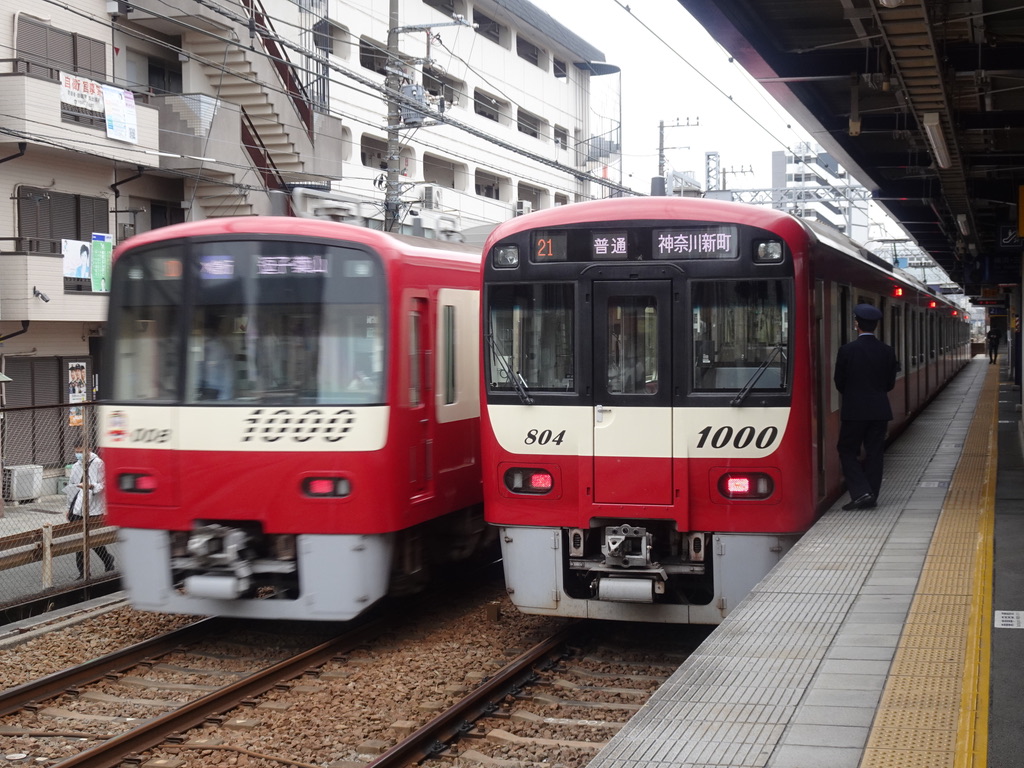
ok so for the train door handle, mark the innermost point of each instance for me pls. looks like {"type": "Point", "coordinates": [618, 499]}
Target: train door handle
{"type": "Point", "coordinates": [599, 412]}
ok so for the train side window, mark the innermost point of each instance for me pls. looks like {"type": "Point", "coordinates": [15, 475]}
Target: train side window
{"type": "Point", "coordinates": [896, 333]}
{"type": "Point", "coordinates": [449, 353]}
{"type": "Point", "coordinates": [415, 383]}
{"type": "Point", "coordinates": [845, 315]}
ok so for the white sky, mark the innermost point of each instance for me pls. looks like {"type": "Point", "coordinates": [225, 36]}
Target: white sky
{"type": "Point", "coordinates": [672, 70]}
{"type": "Point", "coordinates": [684, 75]}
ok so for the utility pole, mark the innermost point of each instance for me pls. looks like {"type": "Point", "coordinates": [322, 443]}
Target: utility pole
{"type": "Point", "coordinates": [393, 81]}
{"type": "Point", "coordinates": [393, 85]}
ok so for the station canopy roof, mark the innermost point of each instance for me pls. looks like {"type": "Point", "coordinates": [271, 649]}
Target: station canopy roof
{"type": "Point", "coordinates": [921, 101]}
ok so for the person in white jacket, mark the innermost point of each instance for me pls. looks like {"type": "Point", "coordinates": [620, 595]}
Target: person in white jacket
{"type": "Point", "coordinates": [78, 489]}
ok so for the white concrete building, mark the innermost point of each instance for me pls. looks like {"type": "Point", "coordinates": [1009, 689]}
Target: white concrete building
{"type": "Point", "coordinates": [809, 183]}
{"type": "Point", "coordinates": [117, 118]}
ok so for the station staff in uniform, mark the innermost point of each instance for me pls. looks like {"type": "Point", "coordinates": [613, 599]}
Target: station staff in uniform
{"type": "Point", "coordinates": [865, 372]}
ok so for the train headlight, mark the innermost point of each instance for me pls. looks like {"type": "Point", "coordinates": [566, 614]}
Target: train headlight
{"type": "Point", "coordinates": [524, 480]}
{"type": "Point", "coordinates": [327, 487]}
{"type": "Point", "coordinates": [768, 252]}
{"type": "Point", "coordinates": [746, 485]}
{"type": "Point", "coordinates": [506, 257]}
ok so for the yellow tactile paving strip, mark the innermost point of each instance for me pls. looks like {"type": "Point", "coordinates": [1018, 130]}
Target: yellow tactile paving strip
{"type": "Point", "coordinates": [934, 708]}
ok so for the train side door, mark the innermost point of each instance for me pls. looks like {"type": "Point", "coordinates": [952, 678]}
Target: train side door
{"type": "Point", "coordinates": [418, 398]}
{"type": "Point", "coordinates": [632, 392]}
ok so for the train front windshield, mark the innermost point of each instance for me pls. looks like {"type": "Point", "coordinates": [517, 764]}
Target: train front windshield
{"type": "Point", "coordinates": [244, 321]}
{"type": "Point", "coordinates": [739, 326]}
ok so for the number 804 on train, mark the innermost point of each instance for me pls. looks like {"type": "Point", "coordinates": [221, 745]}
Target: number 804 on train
{"type": "Point", "coordinates": [660, 420]}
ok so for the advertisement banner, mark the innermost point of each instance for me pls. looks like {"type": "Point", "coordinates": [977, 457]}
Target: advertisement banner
{"type": "Point", "coordinates": [102, 257]}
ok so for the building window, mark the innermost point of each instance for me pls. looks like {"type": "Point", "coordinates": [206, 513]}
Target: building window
{"type": "Point", "coordinates": [373, 55]}
{"type": "Point", "coordinates": [45, 51]}
{"type": "Point", "coordinates": [560, 70]}
{"type": "Point", "coordinates": [490, 186]}
{"type": "Point", "coordinates": [488, 27]}
{"type": "Point", "coordinates": [440, 85]}
{"type": "Point", "coordinates": [374, 153]}
{"type": "Point", "coordinates": [46, 217]}
{"type": "Point", "coordinates": [561, 137]}
{"type": "Point", "coordinates": [164, 214]}
{"type": "Point", "coordinates": [488, 106]}
{"type": "Point", "coordinates": [528, 124]}
{"type": "Point", "coordinates": [164, 76]}
{"type": "Point", "coordinates": [527, 50]}
{"type": "Point", "coordinates": [535, 196]}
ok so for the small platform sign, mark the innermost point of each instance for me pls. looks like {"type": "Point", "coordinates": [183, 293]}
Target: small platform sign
{"type": "Point", "coordinates": [1009, 620]}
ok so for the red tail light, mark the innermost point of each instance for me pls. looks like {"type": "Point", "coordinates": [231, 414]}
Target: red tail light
{"type": "Point", "coordinates": [746, 485]}
{"type": "Point", "coordinates": [525, 480]}
{"type": "Point", "coordinates": [136, 482]}
{"type": "Point", "coordinates": [327, 487]}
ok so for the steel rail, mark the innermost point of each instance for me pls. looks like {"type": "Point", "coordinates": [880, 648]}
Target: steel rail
{"type": "Point", "coordinates": [153, 732]}
{"type": "Point", "coordinates": [52, 685]}
{"type": "Point", "coordinates": [457, 719]}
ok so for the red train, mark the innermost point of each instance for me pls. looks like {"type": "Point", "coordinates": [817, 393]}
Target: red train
{"type": "Point", "coordinates": [660, 420]}
{"type": "Point", "coordinates": [290, 421]}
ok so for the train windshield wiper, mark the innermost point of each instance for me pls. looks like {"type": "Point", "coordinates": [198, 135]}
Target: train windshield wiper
{"type": "Point", "coordinates": [513, 376]}
{"type": "Point", "coordinates": [756, 375]}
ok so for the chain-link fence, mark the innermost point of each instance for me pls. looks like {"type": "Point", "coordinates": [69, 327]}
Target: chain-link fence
{"type": "Point", "coordinates": [43, 535]}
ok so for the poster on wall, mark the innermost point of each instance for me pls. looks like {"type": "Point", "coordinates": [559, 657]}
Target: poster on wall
{"type": "Point", "coordinates": [77, 257]}
{"type": "Point", "coordinates": [102, 257]}
{"type": "Point", "coordinates": [77, 392]}
{"type": "Point", "coordinates": [120, 114]}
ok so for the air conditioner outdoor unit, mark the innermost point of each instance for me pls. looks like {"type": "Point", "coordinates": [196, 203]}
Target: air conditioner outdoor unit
{"type": "Point", "coordinates": [432, 196]}
{"type": "Point", "coordinates": [523, 207]}
{"type": "Point", "coordinates": [23, 482]}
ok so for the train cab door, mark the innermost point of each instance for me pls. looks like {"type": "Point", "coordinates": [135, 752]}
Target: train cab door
{"type": "Point", "coordinates": [632, 387]}
{"type": "Point", "coordinates": [418, 399]}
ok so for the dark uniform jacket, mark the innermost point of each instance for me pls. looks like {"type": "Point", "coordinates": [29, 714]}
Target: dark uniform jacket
{"type": "Point", "coordinates": [865, 372]}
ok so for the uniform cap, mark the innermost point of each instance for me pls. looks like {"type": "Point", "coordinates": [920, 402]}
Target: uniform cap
{"type": "Point", "coordinates": [867, 312]}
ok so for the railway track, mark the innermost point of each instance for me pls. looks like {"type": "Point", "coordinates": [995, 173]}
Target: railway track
{"type": "Point", "coordinates": [152, 666]}
{"type": "Point", "coordinates": [557, 704]}
{"type": "Point", "coordinates": [472, 681]}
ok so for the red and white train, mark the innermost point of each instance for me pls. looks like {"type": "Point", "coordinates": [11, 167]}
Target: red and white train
{"type": "Point", "coordinates": [660, 420]}
{"type": "Point", "coordinates": [290, 421]}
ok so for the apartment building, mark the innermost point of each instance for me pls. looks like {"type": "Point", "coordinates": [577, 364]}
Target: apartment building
{"type": "Point", "coordinates": [119, 117]}
{"type": "Point", "coordinates": [811, 184]}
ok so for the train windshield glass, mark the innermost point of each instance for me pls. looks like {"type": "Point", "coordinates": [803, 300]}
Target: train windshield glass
{"type": "Point", "coordinates": [265, 321]}
{"type": "Point", "coordinates": [531, 338]}
{"type": "Point", "coordinates": [740, 334]}
{"type": "Point", "coordinates": [146, 302]}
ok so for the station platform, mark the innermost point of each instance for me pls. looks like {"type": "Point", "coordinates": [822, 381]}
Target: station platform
{"type": "Point", "coordinates": [885, 637]}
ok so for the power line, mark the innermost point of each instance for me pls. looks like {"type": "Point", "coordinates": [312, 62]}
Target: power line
{"type": "Point", "coordinates": [361, 80]}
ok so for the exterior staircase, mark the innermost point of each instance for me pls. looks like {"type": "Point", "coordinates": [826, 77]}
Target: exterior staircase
{"type": "Point", "coordinates": [278, 132]}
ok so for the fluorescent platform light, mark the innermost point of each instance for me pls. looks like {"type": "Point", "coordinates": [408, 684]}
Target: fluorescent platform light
{"type": "Point", "coordinates": [933, 131]}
